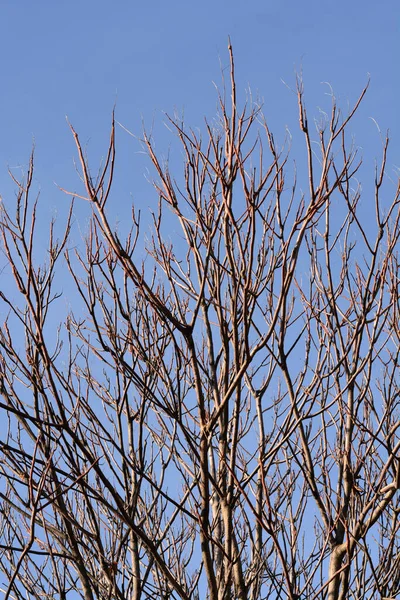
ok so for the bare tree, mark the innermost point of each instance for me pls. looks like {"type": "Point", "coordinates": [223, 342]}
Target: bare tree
{"type": "Point", "coordinates": [222, 420]}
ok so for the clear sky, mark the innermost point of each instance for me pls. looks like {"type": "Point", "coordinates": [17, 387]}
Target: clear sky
{"type": "Point", "coordinates": [78, 58]}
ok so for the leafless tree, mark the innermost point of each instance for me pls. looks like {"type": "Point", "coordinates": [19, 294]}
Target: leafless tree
{"type": "Point", "coordinates": [221, 418]}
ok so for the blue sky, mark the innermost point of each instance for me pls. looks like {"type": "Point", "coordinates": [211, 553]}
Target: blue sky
{"type": "Point", "coordinates": [78, 58]}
